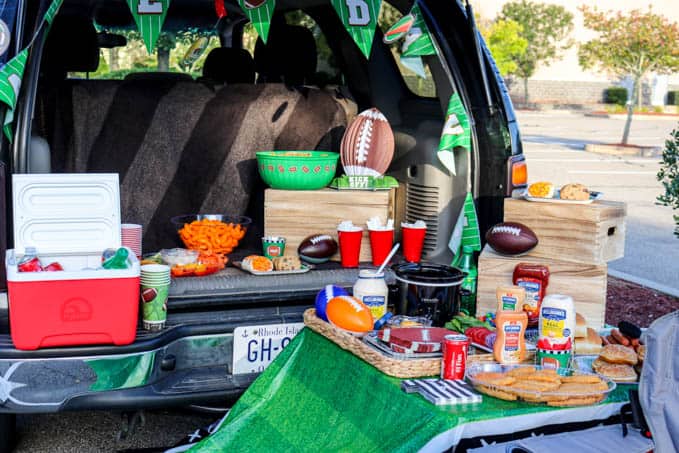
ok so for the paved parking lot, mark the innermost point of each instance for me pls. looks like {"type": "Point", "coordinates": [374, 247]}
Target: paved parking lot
{"type": "Point", "coordinates": [554, 146]}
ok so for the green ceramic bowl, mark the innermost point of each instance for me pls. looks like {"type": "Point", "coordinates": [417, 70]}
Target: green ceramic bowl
{"type": "Point", "coordinates": [297, 170]}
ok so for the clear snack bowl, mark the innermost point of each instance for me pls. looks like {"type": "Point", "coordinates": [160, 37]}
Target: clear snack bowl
{"type": "Point", "coordinates": [574, 397]}
{"type": "Point", "coordinates": [179, 256]}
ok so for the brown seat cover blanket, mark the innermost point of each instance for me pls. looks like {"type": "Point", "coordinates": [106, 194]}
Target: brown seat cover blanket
{"type": "Point", "coordinates": [182, 148]}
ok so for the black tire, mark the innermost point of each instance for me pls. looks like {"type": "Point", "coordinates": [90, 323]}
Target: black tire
{"type": "Point", "coordinates": [7, 432]}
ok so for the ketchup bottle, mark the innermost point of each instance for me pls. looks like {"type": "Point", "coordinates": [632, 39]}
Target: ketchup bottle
{"type": "Point", "coordinates": [534, 279]}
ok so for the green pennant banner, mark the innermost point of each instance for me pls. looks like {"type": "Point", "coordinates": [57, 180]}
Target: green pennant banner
{"type": "Point", "coordinates": [149, 16]}
{"type": "Point", "coordinates": [12, 73]}
{"type": "Point", "coordinates": [360, 19]}
{"type": "Point", "coordinates": [10, 83]}
{"type": "Point", "coordinates": [259, 12]}
{"type": "Point", "coordinates": [466, 230]}
{"type": "Point", "coordinates": [417, 40]}
{"type": "Point", "coordinates": [455, 133]}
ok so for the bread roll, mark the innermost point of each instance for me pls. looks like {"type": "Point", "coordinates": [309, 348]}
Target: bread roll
{"type": "Point", "coordinates": [590, 345]}
{"type": "Point", "coordinates": [580, 326]}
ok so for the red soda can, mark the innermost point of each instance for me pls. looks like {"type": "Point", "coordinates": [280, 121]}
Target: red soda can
{"type": "Point", "coordinates": [53, 267]}
{"type": "Point", "coordinates": [454, 356]}
{"type": "Point", "coordinates": [30, 265]}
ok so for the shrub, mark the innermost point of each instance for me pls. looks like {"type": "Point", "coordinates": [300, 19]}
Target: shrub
{"type": "Point", "coordinates": [615, 95]}
{"type": "Point", "coordinates": [669, 175]}
{"type": "Point", "coordinates": [673, 98]}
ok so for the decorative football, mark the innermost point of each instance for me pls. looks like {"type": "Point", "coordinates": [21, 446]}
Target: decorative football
{"type": "Point", "coordinates": [317, 248]}
{"type": "Point", "coordinates": [349, 313]}
{"type": "Point", "coordinates": [252, 4]}
{"type": "Point", "coordinates": [368, 145]}
{"type": "Point", "coordinates": [511, 238]}
{"type": "Point", "coordinates": [324, 296]}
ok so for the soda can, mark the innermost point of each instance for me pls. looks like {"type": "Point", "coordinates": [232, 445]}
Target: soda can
{"type": "Point", "coordinates": [455, 349]}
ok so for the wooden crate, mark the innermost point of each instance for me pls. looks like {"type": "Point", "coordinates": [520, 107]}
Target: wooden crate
{"type": "Point", "coordinates": [585, 283]}
{"type": "Point", "coordinates": [296, 214]}
{"type": "Point", "coordinates": [591, 234]}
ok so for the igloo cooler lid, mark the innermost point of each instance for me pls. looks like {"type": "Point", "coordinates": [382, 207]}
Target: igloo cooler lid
{"type": "Point", "coordinates": [63, 213]}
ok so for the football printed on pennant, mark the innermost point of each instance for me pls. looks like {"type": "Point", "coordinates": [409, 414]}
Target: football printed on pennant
{"type": "Point", "coordinates": [252, 4]}
{"type": "Point", "coordinates": [368, 145]}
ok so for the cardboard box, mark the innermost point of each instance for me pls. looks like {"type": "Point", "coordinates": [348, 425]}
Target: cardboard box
{"type": "Point", "coordinates": [590, 233]}
{"type": "Point", "coordinates": [585, 283]}
{"type": "Point", "coordinates": [296, 214]}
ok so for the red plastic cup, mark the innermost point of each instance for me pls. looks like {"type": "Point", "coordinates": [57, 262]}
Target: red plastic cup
{"type": "Point", "coordinates": [413, 240]}
{"type": "Point", "coordinates": [350, 246]}
{"type": "Point", "coordinates": [381, 242]}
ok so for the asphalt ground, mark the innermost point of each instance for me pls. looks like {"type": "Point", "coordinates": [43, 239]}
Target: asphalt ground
{"type": "Point", "coordinates": [554, 146]}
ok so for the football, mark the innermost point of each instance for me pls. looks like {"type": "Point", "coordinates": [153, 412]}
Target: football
{"type": "Point", "coordinates": [511, 238]}
{"type": "Point", "coordinates": [252, 4]}
{"type": "Point", "coordinates": [368, 145]}
{"type": "Point", "coordinates": [350, 314]}
{"type": "Point", "coordinates": [324, 296]}
{"type": "Point", "coordinates": [317, 248]}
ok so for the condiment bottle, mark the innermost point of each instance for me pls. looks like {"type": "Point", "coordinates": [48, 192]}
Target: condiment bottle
{"type": "Point", "coordinates": [510, 344]}
{"type": "Point", "coordinates": [534, 279]}
{"type": "Point", "coordinates": [557, 318]}
{"type": "Point", "coordinates": [510, 298]}
{"type": "Point", "coordinates": [372, 290]}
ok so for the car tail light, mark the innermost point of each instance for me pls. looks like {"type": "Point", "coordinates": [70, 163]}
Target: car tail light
{"type": "Point", "coordinates": [517, 173]}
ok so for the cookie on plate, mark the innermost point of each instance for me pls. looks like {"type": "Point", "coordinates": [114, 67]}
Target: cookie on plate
{"type": "Point", "coordinates": [576, 192]}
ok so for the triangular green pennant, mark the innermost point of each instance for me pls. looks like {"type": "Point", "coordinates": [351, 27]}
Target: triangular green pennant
{"type": "Point", "coordinates": [360, 19]}
{"type": "Point", "coordinates": [259, 12]}
{"type": "Point", "coordinates": [466, 231]}
{"type": "Point", "coordinates": [455, 133]}
{"type": "Point", "coordinates": [52, 11]}
{"type": "Point", "coordinates": [149, 16]}
{"type": "Point", "coordinates": [11, 75]}
{"type": "Point", "coordinates": [417, 41]}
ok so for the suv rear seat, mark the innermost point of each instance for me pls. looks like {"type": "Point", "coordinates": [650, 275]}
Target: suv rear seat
{"type": "Point", "coordinates": [179, 147]}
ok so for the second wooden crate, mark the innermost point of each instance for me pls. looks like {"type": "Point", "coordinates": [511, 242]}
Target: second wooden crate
{"type": "Point", "coordinates": [296, 214]}
{"type": "Point", "coordinates": [585, 283]}
{"type": "Point", "coordinates": [591, 233]}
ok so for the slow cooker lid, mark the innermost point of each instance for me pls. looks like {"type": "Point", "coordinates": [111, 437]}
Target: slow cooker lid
{"type": "Point", "coordinates": [428, 274]}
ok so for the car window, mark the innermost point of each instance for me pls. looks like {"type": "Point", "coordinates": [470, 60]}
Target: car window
{"type": "Point", "coordinates": [415, 71]}
{"type": "Point", "coordinates": [181, 51]}
{"type": "Point", "coordinates": [327, 70]}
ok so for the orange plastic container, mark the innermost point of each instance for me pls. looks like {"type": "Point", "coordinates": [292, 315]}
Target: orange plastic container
{"type": "Point", "coordinates": [69, 219]}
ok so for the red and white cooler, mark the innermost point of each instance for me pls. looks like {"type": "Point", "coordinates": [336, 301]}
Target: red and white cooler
{"type": "Point", "coordinates": [70, 219]}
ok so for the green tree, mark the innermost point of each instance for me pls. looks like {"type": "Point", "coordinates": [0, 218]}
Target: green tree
{"type": "Point", "coordinates": [669, 175]}
{"type": "Point", "coordinates": [545, 28]}
{"type": "Point", "coordinates": [634, 44]}
{"type": "Point", "coordinates": [505, 43]}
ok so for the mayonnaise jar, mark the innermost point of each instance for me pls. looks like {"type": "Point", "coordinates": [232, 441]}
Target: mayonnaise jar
{"type": "Point", "coordinates": [372, 290]}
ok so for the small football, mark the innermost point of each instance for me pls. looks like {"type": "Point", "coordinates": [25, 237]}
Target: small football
{"type": "Point", "coordinates": [324, 296]}
{"type": "Point", "coordinates": [317, 248]}
{"type": "Point", "coordinates": [368, 145]}
{"type": "Point", "coordinates": [350, 314]}
{"type": "Point", "coordinates": [511, 238]}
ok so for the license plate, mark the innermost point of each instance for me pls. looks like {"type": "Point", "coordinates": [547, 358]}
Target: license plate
{"type": "Point", "coordinates": [254, 347]}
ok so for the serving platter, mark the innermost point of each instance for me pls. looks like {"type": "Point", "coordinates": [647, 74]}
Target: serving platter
{"type": "Point", "coordinates": [305, 268]}
{"type": "Point", "coordinates": [593, 196]}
